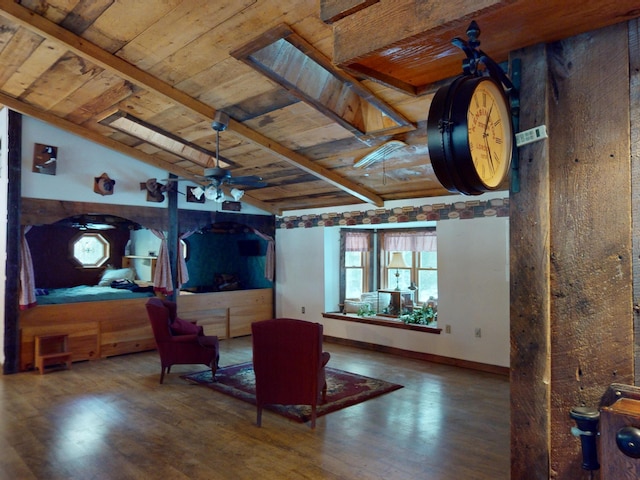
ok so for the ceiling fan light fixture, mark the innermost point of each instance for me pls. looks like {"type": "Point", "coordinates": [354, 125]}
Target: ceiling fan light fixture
{"type": "Point", "coordinates": [211, 193]}
{"type": "Point", "coordinates": [237, 194]}
{"type": "Point", "coordinates": [197, 192]}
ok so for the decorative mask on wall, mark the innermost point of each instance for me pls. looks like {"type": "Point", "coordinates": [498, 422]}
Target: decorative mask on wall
{"type": "Point", "coordinates": [103, 185]}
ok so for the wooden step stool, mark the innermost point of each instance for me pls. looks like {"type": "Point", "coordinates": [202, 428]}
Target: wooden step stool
{"type": "Point", "coordinates": [52, 351]}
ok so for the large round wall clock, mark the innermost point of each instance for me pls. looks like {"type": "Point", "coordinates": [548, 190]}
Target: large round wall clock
{"type": "Point", "coordinates": [470, 135]}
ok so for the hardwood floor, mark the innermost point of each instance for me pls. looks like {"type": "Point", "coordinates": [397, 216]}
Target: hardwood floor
{"type": "Point", "coordinates": [111, 419]}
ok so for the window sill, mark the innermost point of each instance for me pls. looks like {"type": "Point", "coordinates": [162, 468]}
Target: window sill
{"type": "Point", "coordinates": [383, 322]}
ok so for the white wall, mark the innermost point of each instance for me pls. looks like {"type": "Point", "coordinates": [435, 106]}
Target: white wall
{"type": "Point", "coordinates": [80, 161]}
{"type": "Point", "coordinates": [307, 259]}
{"type": "Point", "coordinates": [473, 277]}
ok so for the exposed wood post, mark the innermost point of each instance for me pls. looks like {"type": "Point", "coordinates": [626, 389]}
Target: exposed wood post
{"type": "Point", "coordinates": [173, 234]}
{"type": "Point", "coordinates": [530, 290]}
{"type": "Point", "coordinates": [14, 233]}
{"type": "Point", "coordinates": [571, 309]}
{"type": "Point", "coordinates": [634, 103]}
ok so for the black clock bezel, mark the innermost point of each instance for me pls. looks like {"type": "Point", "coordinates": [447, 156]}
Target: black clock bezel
{"type": "Point", "coordinates": [448, 140]}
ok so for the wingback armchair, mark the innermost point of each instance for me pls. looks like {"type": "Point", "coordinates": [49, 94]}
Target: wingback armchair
{"type": "Point", "coordinates": [288, 362]}
{"type": "Point", "coordinates": [179, 341]}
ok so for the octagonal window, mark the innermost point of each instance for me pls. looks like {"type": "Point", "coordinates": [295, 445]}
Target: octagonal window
{"type": "Point", "coordinates": [90, 249]}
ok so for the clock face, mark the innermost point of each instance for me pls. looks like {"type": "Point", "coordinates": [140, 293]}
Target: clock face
{"type": "Point", "coordinates": [489, 133]}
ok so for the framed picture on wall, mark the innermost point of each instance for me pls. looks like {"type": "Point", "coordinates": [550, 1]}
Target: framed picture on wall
{"type": "Point", "coordinates": [45, 158]}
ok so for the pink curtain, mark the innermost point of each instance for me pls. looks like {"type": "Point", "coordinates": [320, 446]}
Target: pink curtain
{"type": "Point", "coordinates": [356, 241]}
{"type": "Point", "coordinates": [410, 242]}
{"type": "Point", "coordinates": [27, 280]}
{"type": "Point", "coordinates": [162, 280]}
{"type": "Point", "coordinates": [270, 266]}
{"type": "Point", "coordinates": [183, 271]}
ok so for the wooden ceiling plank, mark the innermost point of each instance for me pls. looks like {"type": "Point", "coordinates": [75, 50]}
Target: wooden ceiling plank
{"type": "Point", "coordinates": [17, 51]}
{"type": "Point", "coordinates": [225, 84]}
{"type": "Point", "coordinates": [86, 95]}
{"type": "Point", "coordinates": [68, 74]}
{"type": "Point", "coordinates": [7, 31]}
{"type": "Point", "coordinates": [120, 23]}
{"type": "Point", "coordinates": [41, 59]}
{"type": "Point", "coordinates": [129, 72]}
{"type": "Point", "coordinates": [98, 104]}
{"type": "Point", "coordinates": [188, 21]}
{"type": "Point", "coordinates": [54, 10]}
{"type": "Point", "coordinates": [84, 14]}
{"type": "Point", "coordinates": [261, 104]}
{"type": "Point", "coordinates": [194, 59]}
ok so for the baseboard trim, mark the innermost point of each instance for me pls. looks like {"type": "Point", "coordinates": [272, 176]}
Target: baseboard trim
{"type": "Point", "coordinates": [427, 357]}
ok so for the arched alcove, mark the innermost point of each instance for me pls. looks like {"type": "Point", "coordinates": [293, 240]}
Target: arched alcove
{"type": "Point", "coordinates": [51, 247]}
{"type": "Point", "coordinates": [226, 256]}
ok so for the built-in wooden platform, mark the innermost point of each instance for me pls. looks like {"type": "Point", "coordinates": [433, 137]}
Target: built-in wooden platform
{"type": "Point", "coordinates": [104, 329]}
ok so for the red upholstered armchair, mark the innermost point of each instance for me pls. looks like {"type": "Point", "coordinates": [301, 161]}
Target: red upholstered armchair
{"type": "Point", "coordinates": [288, 362]}
{"type": "Point", "coordinates": [179, 341]}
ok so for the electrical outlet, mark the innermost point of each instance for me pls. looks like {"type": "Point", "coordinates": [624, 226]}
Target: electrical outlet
{"type": "Point", "coordinates": [447, 329]}
{"type": "Point", "coordinates": [478, 333]}
{"type": "Point", "coordinates": [303, 309]}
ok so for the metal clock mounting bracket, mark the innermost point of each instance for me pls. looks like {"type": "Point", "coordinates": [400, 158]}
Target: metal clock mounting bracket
{"type": "Point", "coordinates": [479, 64]}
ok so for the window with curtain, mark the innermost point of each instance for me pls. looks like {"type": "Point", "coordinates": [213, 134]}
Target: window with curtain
{"type": "Point", "coordinates": [419, 252]}
{"type": "Point", "coordinates": [366, 255]}
{"type": "Point", "coordinates": [356, 263]}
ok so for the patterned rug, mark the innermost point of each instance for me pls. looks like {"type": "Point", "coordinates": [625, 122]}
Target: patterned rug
{"type": "Point", "coordinates": [344, 389]}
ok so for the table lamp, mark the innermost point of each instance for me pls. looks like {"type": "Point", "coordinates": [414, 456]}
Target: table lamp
{"type": "Point", "coordinates": [397, 262]}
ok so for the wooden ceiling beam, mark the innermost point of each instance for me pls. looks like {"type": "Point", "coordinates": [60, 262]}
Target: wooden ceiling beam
{"type": "Point", "coordinates": [81, 47]}
{"type": "Point", "coordinates": [383, 24]}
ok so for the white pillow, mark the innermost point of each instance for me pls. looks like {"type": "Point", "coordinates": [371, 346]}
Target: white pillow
{"type": "Point", "coordinates": [379, 300]}
{"type": "Point", "coordinates": [353, 306]}
{"type": "Point", "coordinates": [120, 274]}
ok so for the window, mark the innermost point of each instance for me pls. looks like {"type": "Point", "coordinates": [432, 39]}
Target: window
{"type": "Point", "coordinates": [356, 266]}
{"type": "Point", "coordinates": [414, 268]}
{"type": "Point", "coordinates": [355, 254]}
{"type": "Point", "coordinates": [421, 273]}
{"type": "Point", "coordinates": [90, 250]}
{"type": "Point", "coordinates": [427, 276]}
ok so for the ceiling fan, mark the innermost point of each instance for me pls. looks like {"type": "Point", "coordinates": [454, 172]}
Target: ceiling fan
{"type": "Point", "coordinates": [218, 176]}
{"type": "Point", "coordinates": [97, 222]}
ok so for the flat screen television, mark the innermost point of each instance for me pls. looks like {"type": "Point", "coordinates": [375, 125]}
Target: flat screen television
{"type": "Point", "coordinates": [249, 248]}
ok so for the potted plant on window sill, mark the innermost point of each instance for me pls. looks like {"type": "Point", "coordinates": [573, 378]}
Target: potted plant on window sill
{"type": "Point", "coordinates": [425, 315]}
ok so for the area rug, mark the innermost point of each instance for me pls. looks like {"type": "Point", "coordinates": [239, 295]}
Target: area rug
{"type": "Point", "coordinates": [344, 389]}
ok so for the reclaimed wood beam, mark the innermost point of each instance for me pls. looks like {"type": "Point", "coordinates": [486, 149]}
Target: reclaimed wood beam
{"type": "Point", "coordinates": [570, 247]}
{"type": "Point", "coordinates": [41, 26]}
{"type": "Point", "coordinates": [387, 23]}
{"type": "Point", "coordinates": [333, 10]}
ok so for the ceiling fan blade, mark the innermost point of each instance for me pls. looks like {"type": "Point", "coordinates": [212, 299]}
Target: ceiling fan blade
{"type": "Point", "coordinates": [248, 180]}
{"type": "Point", "coordinates": [176, 179]}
